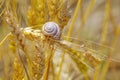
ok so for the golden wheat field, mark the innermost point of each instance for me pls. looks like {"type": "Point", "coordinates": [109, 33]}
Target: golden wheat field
{"type": "Point", "coordinates": [59, 39]}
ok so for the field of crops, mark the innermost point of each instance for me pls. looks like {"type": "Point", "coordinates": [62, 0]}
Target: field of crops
{"type": "Point", "coordinates": [59, 39]}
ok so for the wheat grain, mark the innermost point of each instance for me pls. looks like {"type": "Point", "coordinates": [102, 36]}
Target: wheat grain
{"type": "Point", "coordinates": [38, 63]}
{"type": "Point", "coordinates": [36, 13]}
{"type": "Point", "coordinates": [18, 71]}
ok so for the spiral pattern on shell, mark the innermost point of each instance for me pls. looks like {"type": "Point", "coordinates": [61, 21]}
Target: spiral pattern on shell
{"type": "Point", "coordinates": [51, 29]}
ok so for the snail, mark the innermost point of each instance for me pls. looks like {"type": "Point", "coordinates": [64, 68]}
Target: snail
{"type": "Point", "coordinates": [51, 29]}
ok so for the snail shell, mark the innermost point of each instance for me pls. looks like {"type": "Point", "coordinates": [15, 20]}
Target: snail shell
{"type": "Point", "coordinates": [51, 29]}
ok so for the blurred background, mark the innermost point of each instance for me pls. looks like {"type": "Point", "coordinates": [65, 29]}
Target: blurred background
{"type": "Point", "coordinates": [99, 21]}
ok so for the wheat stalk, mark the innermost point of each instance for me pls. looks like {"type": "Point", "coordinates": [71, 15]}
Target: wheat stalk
{"type": "Point", "coordinates": [17, 32]}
